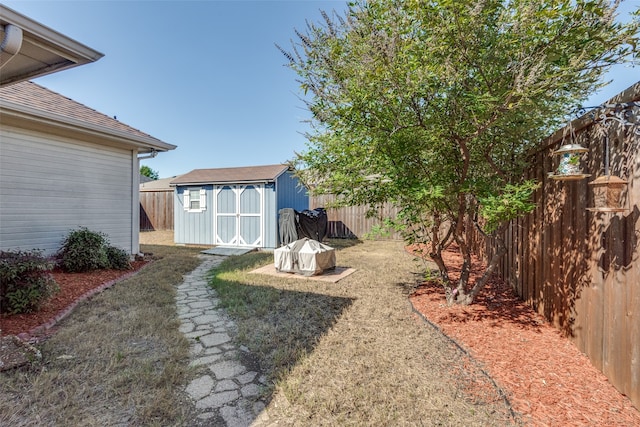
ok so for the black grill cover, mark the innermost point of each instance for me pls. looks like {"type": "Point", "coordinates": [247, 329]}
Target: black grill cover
{"type": "Point", "coordinates": [312, 224]}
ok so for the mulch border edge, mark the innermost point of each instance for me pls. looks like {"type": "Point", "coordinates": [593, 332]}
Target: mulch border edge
{"type": "Point", "coordinates": [514, 415]}
{"type": "Point", "coordinates": [38, 333]}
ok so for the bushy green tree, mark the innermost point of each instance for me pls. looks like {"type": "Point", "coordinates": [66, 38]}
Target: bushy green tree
{"type": "Point", "coordinates": [433, 105]}
{"type": "Point", "coordinates": [148, 172]}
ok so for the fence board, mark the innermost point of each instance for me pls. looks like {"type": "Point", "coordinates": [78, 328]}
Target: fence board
{"type": "Point", "coordinates": [580, 269]}
{"type": "Point", "coordinates": [156, 210]}
{"type": "Point", "coordinates": [352, 222]}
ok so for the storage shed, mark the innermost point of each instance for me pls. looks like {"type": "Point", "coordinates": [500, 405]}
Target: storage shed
{"type": "Point", "coordinates": [235, 206]}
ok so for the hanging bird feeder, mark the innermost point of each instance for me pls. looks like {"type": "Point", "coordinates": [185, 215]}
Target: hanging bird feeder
{"type": "Point", "coordinates": [608, 194]}
{"type": "Point", "coordinates": [608, 190]}
{"type": "Point", "coordinates": [569, 166]}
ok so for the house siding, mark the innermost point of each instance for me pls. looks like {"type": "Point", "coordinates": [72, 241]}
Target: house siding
{"type": "Point", "coordinates": [52, 185]}
{"type": "Point", "coordinates": [290, 194]}
{"type": "Point", "coordinates": [270, 217]}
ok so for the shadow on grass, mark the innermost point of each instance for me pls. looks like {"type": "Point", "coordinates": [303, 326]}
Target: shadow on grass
{"type": "Point", "coordinates": [279, 326]}
{"type": "Point", "coordinates": [339, 244]}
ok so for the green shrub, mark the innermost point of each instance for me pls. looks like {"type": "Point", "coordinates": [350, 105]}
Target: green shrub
{"type": "Point", "coordinates": [118, 258]}
{"type": "Point", "coordinates": [25, 281]}
{"type": "Point", "coordinates": [86, 250]}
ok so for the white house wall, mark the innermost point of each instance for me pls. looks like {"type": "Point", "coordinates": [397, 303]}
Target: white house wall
{"type": "Point", "coordinates": [52, 185]}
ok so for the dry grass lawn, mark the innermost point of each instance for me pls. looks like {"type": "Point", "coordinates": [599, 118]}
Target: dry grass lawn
{"type": "Point", "coordinates": [353, 353]}
{"type": "Point", "coordinates": [160, 237]}
{"type": "Point", "coordinates": [339, 354]}
{"type": "Point", "coordinates": [118, 359]}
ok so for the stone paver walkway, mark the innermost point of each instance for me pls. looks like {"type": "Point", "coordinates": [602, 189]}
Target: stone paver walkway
{"type": "Point", "coordinates": [226, 393]}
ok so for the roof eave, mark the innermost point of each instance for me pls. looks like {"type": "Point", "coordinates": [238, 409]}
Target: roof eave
{"type": "Point", "coordinates": [242, 182]}
{"type": "Point", "coordinates": [70, 53]}
{"type": "Point", "coordinates": [143, 144]}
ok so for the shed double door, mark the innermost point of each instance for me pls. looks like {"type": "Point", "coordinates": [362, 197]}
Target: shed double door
{"type": "Point", "coordinates": [239, 215]}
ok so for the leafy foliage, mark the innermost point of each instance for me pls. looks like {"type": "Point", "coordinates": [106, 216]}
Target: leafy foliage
{"type": "Point", "coordinates": [434, 105]}
{"type": "Point", "coordinates": [25, 281]}
{"type": "Point", "coordinates": [511, 203]}
{"type": "Point", "coordinates": [119, 259]}
{"type": "Point", "coordinates": [86, 250]}
{"type": "Point", "coordinates": [148, 172]}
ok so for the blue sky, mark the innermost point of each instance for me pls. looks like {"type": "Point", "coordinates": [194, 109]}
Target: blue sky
{"type": "Point", "coordinates": [202, 75]}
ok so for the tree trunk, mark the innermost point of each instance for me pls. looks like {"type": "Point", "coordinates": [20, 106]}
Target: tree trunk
{"type": "Point", "coordinates": [436, 256]}
{"type": "Point", "coordinates": [438, 244]}
{"type": "Point", "coordinates": [491, 268]}
{"type": "Point", "coordinates": [464, 248]}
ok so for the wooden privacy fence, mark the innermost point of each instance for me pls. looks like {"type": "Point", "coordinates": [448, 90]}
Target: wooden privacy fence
{"type": "Point", "coordinates": [579, 268]}
{"type": "Point", "coordinates": [352, 222]}
{"type": "Point", "coordinates": [156, 213]}
{"type": "Point", "coordinates": [156, 210]}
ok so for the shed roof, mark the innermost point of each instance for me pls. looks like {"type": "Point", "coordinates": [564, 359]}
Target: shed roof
{"type": "Point", "coordinates": [248, 174]}
{"type": "Point", "coordinates": [29, 101]}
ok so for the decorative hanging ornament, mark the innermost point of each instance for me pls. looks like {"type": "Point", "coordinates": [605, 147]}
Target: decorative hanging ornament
{"type": "Point", "coordinates": [608, 190]}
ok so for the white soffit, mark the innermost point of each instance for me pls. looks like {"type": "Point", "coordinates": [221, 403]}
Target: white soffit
{"type": "Point", "coordinates": [41, 51]}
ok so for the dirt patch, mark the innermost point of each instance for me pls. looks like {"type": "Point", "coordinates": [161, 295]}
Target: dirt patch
{"type": "Point", "coordinates": [160, 237]}
{"type": "Point", "coordinates": [548, 380]}
{"type": "Point", "coordinates": [15, 353]}
{"type": "Point", "coordinates": [334, 275]}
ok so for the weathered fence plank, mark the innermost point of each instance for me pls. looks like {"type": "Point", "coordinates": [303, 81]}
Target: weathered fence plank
{"type": "Point", "coordinates": [581, 269]}
{"type": "Point", "coordinates": [156, 210]}
{"type": "Point", "coordinates": [352, 222]}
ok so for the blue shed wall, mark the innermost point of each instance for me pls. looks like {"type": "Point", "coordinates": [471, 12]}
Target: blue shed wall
{"type": "Point", "coordinates": [290, 194]}
{"type": "Point", "coordinates": [193, 227]}
{"type": "Point", "coordinates": [198, 227]}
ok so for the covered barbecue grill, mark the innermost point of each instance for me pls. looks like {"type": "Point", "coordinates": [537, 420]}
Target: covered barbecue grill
{"type": "Point", "coordinates": [305, 256]}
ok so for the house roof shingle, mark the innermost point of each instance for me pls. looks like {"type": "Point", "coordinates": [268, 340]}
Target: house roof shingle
{"type": "Point", "coordinates": [231, 175]}
{"type": "Point", "coordinates": [32, 96]}
{"type": "Point", "coordinates": [157, 184]}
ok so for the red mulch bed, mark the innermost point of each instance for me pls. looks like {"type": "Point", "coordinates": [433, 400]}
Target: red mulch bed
{"type": "Point", "coordinates": [548, 381]}
{"type": "Point", "coordinates": [74, 287]}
